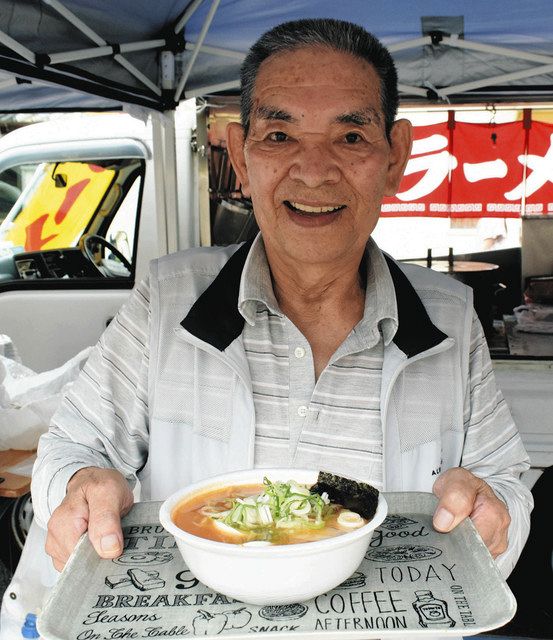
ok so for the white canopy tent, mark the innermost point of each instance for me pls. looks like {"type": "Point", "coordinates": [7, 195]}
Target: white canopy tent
{"type": "Point", "coordinates": [155, 54]}
{"type": "Point", "coordinates": [95, 54]}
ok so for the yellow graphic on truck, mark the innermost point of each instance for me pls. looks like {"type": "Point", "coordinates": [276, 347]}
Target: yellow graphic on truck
{"type": "Point", "coordinates": [58, 204]}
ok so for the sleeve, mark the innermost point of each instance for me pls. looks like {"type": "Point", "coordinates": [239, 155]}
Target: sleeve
{"type": "Point", "coordinates": [494, 450]}
{"type": "Point", "coordinates": [103, 419]}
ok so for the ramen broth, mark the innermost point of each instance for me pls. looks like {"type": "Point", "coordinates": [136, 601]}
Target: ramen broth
{"type": "Point", "coordinates": [189, 515]}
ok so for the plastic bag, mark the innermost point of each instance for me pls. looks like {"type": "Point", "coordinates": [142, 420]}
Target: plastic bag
{"type": "Point", "coordinates": [28, 399]}
{"type": "Point", "coordinates": [534, 318]}
{"type": "Point", "coordinates": [7, 348]}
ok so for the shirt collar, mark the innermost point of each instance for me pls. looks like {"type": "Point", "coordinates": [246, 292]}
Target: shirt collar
{"type": "Point", "coordinates": [380, 312]}
{"type": "Point", "coordinates": [380, 297]}
{"type": "Point", "coordinates": [215, 319]}
{"type": "Point", "coordinates": [256, 284]}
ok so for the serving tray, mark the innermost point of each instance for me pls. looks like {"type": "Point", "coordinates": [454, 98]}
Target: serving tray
{"type": "Point", "coordinates": [412, 581]}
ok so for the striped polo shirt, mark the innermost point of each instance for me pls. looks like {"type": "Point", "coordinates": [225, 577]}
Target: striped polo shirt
{"type": "Point", "coordinates": [332, 423]}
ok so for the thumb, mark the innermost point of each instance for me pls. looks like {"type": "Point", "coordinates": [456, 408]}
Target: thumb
{"type": "Point", "coordinates": [107, 502]}
{"type": "Point", "coordinates": [456, 489]}
{"type": "Point", "coordinates": [104, 530]}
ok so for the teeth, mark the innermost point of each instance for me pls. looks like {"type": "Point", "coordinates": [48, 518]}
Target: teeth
{"type": "Point", "coordinates": [307, 209]}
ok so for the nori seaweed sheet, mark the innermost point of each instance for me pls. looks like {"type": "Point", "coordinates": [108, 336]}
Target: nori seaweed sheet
{"type": "Point", "coordinates": [351, 494]}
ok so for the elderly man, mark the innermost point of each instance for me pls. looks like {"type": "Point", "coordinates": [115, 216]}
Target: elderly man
{"type": "Point", "coordinates": [307, 347]}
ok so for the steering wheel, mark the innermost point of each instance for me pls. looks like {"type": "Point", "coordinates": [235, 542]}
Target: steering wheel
{"type": "Point", "coordinates": [87, 249]}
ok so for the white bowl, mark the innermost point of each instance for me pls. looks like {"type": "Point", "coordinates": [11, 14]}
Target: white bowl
{"type": "Point", "coordinates": [276, 574]}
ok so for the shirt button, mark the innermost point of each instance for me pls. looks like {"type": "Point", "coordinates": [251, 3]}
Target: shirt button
{"type": "Point", "coordinates": [299, 352]}
{"type": "Point", "coordinates": [302, 411]}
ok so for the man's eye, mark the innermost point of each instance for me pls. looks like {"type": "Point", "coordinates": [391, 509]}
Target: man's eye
{"type": "Point", "coordinates": [352, 138]}
{"type": "Point", "coordinates": [278, 136]}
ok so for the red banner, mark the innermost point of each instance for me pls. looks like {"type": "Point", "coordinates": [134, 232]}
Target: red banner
{"type": "Point", "coordinates": [539, 179]}
{"type": "Point", "coordinates": [465, 170]}
{"type": "Point", "coordinates": [426, 178]}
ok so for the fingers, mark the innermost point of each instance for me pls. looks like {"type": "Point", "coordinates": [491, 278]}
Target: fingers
{"type": "Point", "coordinates": [491, 519]}
{"type": "Point", "coordinates": [95, 500]}
{"type": "Point", "coordinates": [67, 524]}
{"type": "Point", "coordinates": [462, 494]}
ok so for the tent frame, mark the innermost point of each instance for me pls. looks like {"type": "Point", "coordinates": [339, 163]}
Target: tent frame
{"type": "Point", "coordinates": [44, 63]}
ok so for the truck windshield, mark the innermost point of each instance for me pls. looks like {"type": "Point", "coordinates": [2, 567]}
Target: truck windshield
{"type": "Point", "coordinates": [56, 205]}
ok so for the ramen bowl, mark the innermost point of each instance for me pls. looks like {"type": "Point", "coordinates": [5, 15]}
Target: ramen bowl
{"type": "Point", "coordinates": [268, 574]}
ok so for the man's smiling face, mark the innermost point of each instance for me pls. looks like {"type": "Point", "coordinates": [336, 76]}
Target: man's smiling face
{"type": "Point", "coordinates": [316, 161]}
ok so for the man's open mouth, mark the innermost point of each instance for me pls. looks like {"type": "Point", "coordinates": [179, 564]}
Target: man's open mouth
{"type": "Point", "coordinates": [308, 210]}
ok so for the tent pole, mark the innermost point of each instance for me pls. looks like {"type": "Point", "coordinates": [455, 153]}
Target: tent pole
{"type": "Point", "coordinates": [506, 77]}
{"type": "Point", "coordinates": [98, 52]}
{"type": "Point", "coordinates": [12, 44]}
{"type": "Point", "coordinates": [476, 46]}
{"type": "Point", "coordinates": [213, 88]}
{"type": "Point", "coordinates": [136, 73]}
{"type": "Point", "coordinates": [75, 21]}
{"type": "Point", "coordinates": [216, 51]}
{"type": "Point", "coordinates": [204, 200]}
{"type": "Point", "coordinates": [414, 91]}
{"type": "Point", "coordinates": [461, 43]}
{"type": "Point", "coordinates": [81, 26]}
{"type": "Point", "coordinates": [502, 51]}
{"type": "Point", "coordinates": [159, 181]}
{"type": "Point", "coordinates": [170, 180]}
{"type": "Point", "coordinates": [409, 44]}
{"type": "Point", "coordinates": [189, 11]}
{"type": "Point", "coordinates": [201, 38]}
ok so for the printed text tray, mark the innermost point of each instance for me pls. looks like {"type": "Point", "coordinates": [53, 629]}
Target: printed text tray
{"type": "Point", "coordinates": [149, 593]}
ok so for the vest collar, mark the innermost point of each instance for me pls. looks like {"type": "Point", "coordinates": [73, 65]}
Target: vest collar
{"type": "Point", "coordinates": [214, 317]}
{"type": "Point", "coordinates": [415, 332]}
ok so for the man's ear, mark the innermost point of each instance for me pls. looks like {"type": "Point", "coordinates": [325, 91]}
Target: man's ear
{"type": "Point", "coordinates": [235, 147]}
{"type": "Point", "coordinates": [400, 150]}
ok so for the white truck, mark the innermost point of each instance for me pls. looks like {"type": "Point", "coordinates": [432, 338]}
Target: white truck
{"type": "Point", "coordinates": [89, 191]}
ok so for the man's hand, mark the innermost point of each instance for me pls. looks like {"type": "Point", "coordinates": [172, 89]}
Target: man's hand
{"type": "Point", "coordinates": [463, 494]}
{"type": "Point", "coordinates": [95, 500]}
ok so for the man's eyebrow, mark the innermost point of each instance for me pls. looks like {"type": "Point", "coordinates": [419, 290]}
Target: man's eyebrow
{"type": "Point", "coordinates": [273, 113]}
{"type": "Point", "coordinates": [360, 118]}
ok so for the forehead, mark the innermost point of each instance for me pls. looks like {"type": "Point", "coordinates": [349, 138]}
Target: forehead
{"type": "Point", "coordinates": [317, 74]}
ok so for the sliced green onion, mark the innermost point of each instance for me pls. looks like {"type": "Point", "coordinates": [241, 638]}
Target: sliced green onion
{"type": "Point", "coordinates": [283, 505]}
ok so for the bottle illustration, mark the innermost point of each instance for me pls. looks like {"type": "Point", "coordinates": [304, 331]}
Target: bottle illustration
{"type": "Point", "coordinates": [29, 630]}
{"type": "Point", "coordinates": [432, 612]}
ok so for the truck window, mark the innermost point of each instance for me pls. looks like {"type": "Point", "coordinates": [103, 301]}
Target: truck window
{"type": "Point", "coordinates": [12, 183]}
{"type": "Point", "coordinates": [71, 219]}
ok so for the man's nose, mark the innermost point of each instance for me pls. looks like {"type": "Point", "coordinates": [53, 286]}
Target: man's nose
{"type": "Point", "coordinates": [314, 164]}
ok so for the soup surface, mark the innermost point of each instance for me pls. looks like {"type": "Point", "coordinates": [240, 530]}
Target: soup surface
{"type": "Point", "coordinates": [271, 513]}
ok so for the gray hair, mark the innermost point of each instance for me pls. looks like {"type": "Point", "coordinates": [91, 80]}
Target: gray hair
{"type": "Point", "coordinates": [335, 34]}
